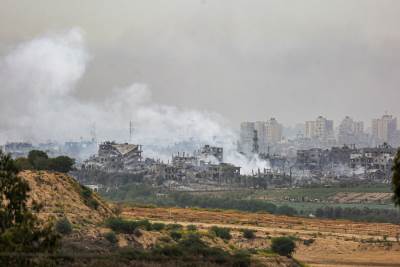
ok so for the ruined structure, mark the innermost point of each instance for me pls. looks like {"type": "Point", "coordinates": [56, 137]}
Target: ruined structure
{"type": "Point", "coordinates": [210, 154]}
{"type": "Point", "coordinates": [113, 157]}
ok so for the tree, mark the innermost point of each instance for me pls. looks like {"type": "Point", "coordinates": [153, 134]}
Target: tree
{"type": "Point", "coordinates": [20, 230]}
{"type": "Point", "coordinates": [284, 246]}
{"type": "Point", "coordinates": [396, 179]}
{"type": "Point", "coordinates": [61, 164]}
{"type": "Point", "coordinates": [63, 226]}
{"type": "Point", "coordinates": [38, 159]}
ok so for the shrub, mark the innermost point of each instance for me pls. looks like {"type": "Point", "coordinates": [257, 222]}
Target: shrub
{"type": "Point", "coordinates": [158, 226]}
{"type": "Point", "coordinates": [308, 242]}
{"type": "Point", "coordinates": [137, 232]}
{"type": "Point", "coordinates": [248, 233]}
{"type": "Point", "coordinates": [221, 232]}
{"type": "Point", "coordinates": [63, 226]}
{"type": "Point", "coordinates": [87, 195]}
{"type": "Point", "coordinates": [174, 226]}
{"type": "Point", "coordinates": [284, 246]}
{"type": "Point", "coordinates": [175, 235]}
{"type": "Point", "coordinates": [121, 226]}
{"type": "Point", "coordinates": [144, 224]}
{"type": "Point", "coordinates": [286, 210]}
{"type": "Point", "coordinates": [61, 164]}
{"type": "Point", "coordinates": [111, 237]}
{"type": "Point", "coordinates": [191, 227]}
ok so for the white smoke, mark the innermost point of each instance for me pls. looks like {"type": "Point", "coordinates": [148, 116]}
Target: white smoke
{"type": "Point", "coordinates": [37, 103]}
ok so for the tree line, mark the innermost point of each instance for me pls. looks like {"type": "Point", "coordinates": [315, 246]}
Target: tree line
{"type": "Point", "coordinates": [357, 214]}
{"type": "Point", "coordinates": [39, 160]}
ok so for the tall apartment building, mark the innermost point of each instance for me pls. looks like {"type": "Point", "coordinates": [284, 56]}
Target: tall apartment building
{"type": "Point", "coordinates": [261, 128]}
{"type": "Point", "coordinates": [258, 136]}
{"type": "Point", "coordinates": [384, 129]}
{"type": "Point", "coordinates": [321, 128]}
{"type": "Point", "coordinates": [273, 131]}
{"type": "Point", "coordinates": [248, 143]}
{"type": "Point", "coordinates": [351, 132]}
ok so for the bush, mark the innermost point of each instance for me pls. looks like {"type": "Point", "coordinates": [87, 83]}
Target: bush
{"type": "Point", "coordinates": [175, 235]}
{"type": "Point", "coordinates": [87, 195]}
{"type": "Point", "coordinates": [127, 227]}
{"type": "Point", "coordinates": [121, 226]}
{"type": "Point", "coordinates": [61, 164]}
{"type": "Point", "coordinates": [63, 226]}
{"type": "Point", "coordinates": [158, 226]}
{"type": "Point", "coordinates": [284, 246]}
{"type": "Point", "coordinates": [286, 210]}
{"type": "Point", "coordinates": [191, 227]}
{"type": "Point", "coordinates": [248, 234]}
{"type": "Point", "coordinates": [174, 227]}
{"type": "Point", "coordinates": [111, 237]}
{"type": "Point", "coordinates": [221, 232]}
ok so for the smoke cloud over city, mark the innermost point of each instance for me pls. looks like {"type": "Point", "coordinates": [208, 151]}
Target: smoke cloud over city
{"type": "Point", "coordinates": [38, 104]}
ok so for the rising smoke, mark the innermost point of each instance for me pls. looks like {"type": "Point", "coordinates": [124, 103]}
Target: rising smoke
{"type": "Point", "coordinates": [37, 103]}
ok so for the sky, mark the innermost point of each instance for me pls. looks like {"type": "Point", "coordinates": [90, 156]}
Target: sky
{"type": "Point", "coordinates": [241, 59]}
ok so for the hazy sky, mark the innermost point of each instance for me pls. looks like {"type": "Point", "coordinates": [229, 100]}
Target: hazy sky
{"type": "Point", "coordinates": [247, 60]}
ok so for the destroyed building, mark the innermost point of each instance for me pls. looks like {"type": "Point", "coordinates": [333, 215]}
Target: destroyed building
{"type": "Point", "coordinates": [376, 159]}
{"type": "Point", "coordinates": [210, 154]}
{"type": "Point", "coordinates": [18, 149]}
{"type": "Point", "coordinates": [113, 157]}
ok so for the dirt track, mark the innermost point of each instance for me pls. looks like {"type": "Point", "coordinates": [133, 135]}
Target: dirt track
{"type": "Point", "coordinates": [337, 242]}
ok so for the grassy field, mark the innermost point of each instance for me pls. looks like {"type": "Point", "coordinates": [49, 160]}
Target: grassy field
{"type": "Point", "coordinates": [322, 193]}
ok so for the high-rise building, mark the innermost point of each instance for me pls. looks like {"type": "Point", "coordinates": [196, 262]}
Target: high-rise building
{"type": "Point", "coordinates": [273, 131]}
{"type": "Point", "coordinates": [248, 143]}
{"type": "Point", "coordinates": [385, 129]}
{"type": "Point", "coordinates": [351, 132]}
{"type": "Point", "coordinates": [260, 127]}
{"type": "Point", "coordinates": [321, 129]}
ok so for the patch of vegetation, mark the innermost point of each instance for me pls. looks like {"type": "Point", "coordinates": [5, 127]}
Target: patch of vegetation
{"type": "Point", "coordinates": [21, 232]}
{"type": "Point", "coordinates": [284, 246]}
{"type": "Point", "coordinates": [111, 237]}
{"type": "Point", "coordinates": [174, 227]}
{"type": "Point", "coordinates": [158, 226]}
{"type": "Point", "coordinates": [175, 235]}
{"type": "Point", "coordinates": [190, 249]}
{"type": "Point", "coordinates": [120, 225]}
{"type": "Point", "coordinates": [248, 233]}
{"type": "Point", "coordinates": [39, 160]}
{"type": "Point", "coordinates": [221, 232]}
{"type": "Point", "coordinates": [356, 214]}
{"type": "Point", "coordinates": [191, 227]}
{"type": "Point", "coordinates": [87, 195]}
{"type": "Point", "coordinates": [63, 226]}
{"type": "Point", "coordinates": [396, 179]}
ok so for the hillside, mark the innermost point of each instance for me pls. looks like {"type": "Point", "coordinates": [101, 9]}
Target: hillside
{"type": "Point", "coordinates": [62, 196]}
{"type": "Point", "coordinates": [323, 243]}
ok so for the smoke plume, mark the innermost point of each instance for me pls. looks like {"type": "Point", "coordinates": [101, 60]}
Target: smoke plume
{"type": "Point", "coordinates": [38, 80]}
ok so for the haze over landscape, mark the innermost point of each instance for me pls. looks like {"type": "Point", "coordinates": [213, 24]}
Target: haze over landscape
{"type": "Point", "coordinates": [241, 60]}
{"type": "Point", "coordinates": [199, 133]}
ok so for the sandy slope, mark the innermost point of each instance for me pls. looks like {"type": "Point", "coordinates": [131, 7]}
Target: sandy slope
{"type": "Point", "coordinates": [337, 242]}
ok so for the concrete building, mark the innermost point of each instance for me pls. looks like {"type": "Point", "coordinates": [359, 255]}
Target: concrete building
{"type": "Point", "coordinates": [262, 137]}
{"type": "Point", "coordinates": [210, 154]}
{"type": "Point", "coordinates": [113, 157]}
{"type": "Point", "coordinates": [384, 129]}
{"type": "Point", "coordinates": [351, 132]}
{"type": "Point", "coordinates": [248, 143]}
{"type": "Point", "coordinates": [321, 128]}
{"type": "Point", "coordinates": [273, 131]}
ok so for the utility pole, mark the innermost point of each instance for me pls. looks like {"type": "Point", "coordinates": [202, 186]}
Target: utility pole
{"type": "Point", "coordinates": [130, 131]}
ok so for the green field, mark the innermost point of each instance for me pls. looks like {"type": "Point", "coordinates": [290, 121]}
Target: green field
{"type": "Point", "coordinates": [322, 193]}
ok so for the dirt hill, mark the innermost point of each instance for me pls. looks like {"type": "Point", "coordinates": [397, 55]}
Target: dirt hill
{"type": "Point", "coordinates": [61, 195]}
